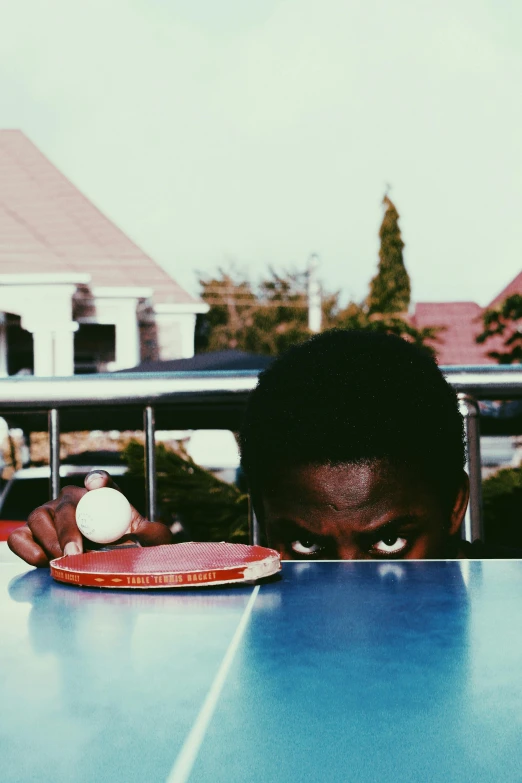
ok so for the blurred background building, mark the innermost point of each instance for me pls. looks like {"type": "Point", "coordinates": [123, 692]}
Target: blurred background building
{"type": "Point", "coordinates": [76, 294]}
{"type": "Point", "coordinates": [461, 323]}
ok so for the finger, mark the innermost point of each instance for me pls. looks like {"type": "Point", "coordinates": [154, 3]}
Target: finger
{"type": "Point", "coordinates": [97, 479]}
{"type": "Point", "coordinates": [149, 533]}
{"type": "Point", "coordinates": [41, 524]}
{"type": "Point", "coordinates": [22, 543]}
{"type": "Point", "coordinates": [139, 526]}
{"type": "Point", "coordinates": [69, 536]}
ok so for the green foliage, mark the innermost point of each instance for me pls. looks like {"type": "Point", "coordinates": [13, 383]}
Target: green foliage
{"type": "Point", "coordinates": [209, 509]}
{"type": "Point", "coordinates": [357, 316]}
{"type": "Point", "coordinates": [272, 316]}
{"type": "Point", "coordinates": [231, 301]}
{"type": "Point", "coordinates": [390, 289]}
{"type": "Point", "coordinates": [502, 504]}
{"type": "Point", "coordinates": [387, 303]}
{"type": "Point", "coordinates": [266, 319]}
{"type": "Point", "coordinates": [503, 322]}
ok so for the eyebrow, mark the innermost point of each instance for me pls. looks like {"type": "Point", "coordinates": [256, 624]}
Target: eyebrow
{"type": "Point", "coordinates": [405, 520]}
{"type": "Point", "coordinates": [402, 521]}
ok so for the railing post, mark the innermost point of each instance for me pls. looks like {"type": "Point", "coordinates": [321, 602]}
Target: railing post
{"type": "Point", "coordinates": [54, 452]}
{"type": "Point", "coordinates": [472, 527]}
{"type": "Point", "coordinates": [150, 461]}
{"type": "Point", "coordinates": [254, 531]}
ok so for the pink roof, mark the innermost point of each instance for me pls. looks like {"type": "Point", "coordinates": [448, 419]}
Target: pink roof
{"type": "Point", "coordinates": [515, 287]}
{"type": "Point", "coordinates": [456, 344]}
{"type": "Point", "coordinates": [48, 225]}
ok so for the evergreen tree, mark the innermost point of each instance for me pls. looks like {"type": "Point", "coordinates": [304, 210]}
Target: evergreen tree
{"type": "Point", "coordinates": [390, 289]}
{"type": "Point", "coordinates": [271, 316]}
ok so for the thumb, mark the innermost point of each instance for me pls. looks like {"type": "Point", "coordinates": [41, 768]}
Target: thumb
{"type": "Point", "coordinates": [97, 479]}
{"type": "Point", "coordinates": [149, 533]}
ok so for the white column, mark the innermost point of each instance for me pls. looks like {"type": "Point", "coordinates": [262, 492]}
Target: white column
{"type": "Point", "coordinates": [176, 335]}
{"type": "Point", "coordinates": [43, 352]}
{"type": "Point", "coordinates": [64, 350]}
{"type": "Point", "coordinates": [314, 295]}
{"type": "Point", "coordinates": [118, 306]}
{"type": "Point", "coordinates": [175, 325]}
{"type": "Point", "coordinates": [127, 336]}
{"type": "Point", "coordinates": [3, 346]}
{"type": "Point", "coordinates": [53, 349]}
{"type": "Point", "coordinates": [187, 325]}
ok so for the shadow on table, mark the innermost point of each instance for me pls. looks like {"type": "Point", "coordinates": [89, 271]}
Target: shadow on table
{"type": "Point", "coordinates": [91, 631]}
{"type": "Point", "coordinates": [363, 671]}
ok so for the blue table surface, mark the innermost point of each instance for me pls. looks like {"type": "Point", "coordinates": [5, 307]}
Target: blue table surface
{"type": "Point", "coordinates": [339, 671]}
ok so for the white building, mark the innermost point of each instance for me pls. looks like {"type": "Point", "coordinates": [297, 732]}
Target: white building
{"type": "Point", "coordinates": [76, 294]}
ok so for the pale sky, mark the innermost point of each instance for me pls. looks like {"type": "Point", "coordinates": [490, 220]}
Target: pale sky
{"type": "Point", "coordinates": [260, 131]}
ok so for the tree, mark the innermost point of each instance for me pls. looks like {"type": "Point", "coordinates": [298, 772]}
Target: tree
{"type": "Point", "coordinates": [271, 316]}
{"type": "Point", "coordinates": [390, 289]}
{"type": "Point", "coordinates": [266, 319]}
{"type": "Point", "coordinates": [504, 324]}
{"type": "Point", "coordinates": [385, 308]}
{"type": "Point", "coordinates": [232, 301]}
{"type": "Point", "coordinates": [357, 316]}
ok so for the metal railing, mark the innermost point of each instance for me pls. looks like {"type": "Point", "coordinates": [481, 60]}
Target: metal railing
{"type": "Point", "coordinates": [474, 384]}
{"type": "Point", "coordinates": [180, 400]}
{"type": "Point", "coordinates": [192, 400]}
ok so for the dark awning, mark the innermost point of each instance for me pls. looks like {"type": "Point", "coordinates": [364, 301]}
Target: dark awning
{"type": "Point", "coordinates": [214, 360]}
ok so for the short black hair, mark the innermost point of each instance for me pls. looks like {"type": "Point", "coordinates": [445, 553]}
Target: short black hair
{"type": "Point", "coordinates": [349, 396]}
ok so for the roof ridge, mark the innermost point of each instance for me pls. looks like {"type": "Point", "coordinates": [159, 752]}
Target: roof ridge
{"type": "Point", "coordinates": [57, 220]}
{"type": "Point", "coordinates": [78, 190]}
{"type": "Point", "coordinates": [505, 292]}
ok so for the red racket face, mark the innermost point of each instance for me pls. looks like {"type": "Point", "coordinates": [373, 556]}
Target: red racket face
{"type": "Point", "coordinates": [171, 565]}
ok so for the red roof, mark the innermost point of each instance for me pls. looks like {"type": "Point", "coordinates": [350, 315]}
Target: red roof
{"type": "Point", "coordinates": [48, 225]}
{"type": "Point", "coordinates": [515, 287]}
{"type": "Point", "coordinates": [463, 322]}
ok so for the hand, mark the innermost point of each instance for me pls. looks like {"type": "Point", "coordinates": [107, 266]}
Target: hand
{"type": "Point", "coordinates": [51, 530]}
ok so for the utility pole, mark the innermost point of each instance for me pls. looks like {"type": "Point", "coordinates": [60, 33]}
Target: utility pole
{"type": "Point", "coordinates": [314, 294]}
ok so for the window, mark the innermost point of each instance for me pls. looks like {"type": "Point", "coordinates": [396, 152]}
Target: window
{"type": "Point", "coordinates": [94, 347]}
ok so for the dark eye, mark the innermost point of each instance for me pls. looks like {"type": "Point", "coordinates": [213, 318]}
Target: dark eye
{"type": "Point", "coordinates": [390, 545]}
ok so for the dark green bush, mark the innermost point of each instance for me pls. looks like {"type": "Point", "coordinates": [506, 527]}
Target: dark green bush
{"type": "Point", "coordinates": [502, 498]}
{"type": "Point", "coordinates": [208, 509]}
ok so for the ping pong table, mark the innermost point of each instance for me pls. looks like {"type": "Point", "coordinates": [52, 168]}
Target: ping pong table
{"type": "Point", "coordinates": [338, 671]}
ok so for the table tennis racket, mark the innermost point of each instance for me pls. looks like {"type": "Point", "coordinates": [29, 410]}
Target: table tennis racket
{"type": "Point", "coordinates": [194, 564]}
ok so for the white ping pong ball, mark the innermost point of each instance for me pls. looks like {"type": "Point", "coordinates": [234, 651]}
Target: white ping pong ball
{"type": "Point", "coordinates": [103, 515]}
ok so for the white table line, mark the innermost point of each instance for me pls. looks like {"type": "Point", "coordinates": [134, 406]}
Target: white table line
{"type": "Point", "coordinates": [182, 768]}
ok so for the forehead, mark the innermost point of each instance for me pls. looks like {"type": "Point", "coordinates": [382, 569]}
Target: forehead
{"type": "Point", "coordinates": [348, 490]}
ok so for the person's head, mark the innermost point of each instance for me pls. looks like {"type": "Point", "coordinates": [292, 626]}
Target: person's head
{"type": "Point", "coordinates": [353, 447]}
